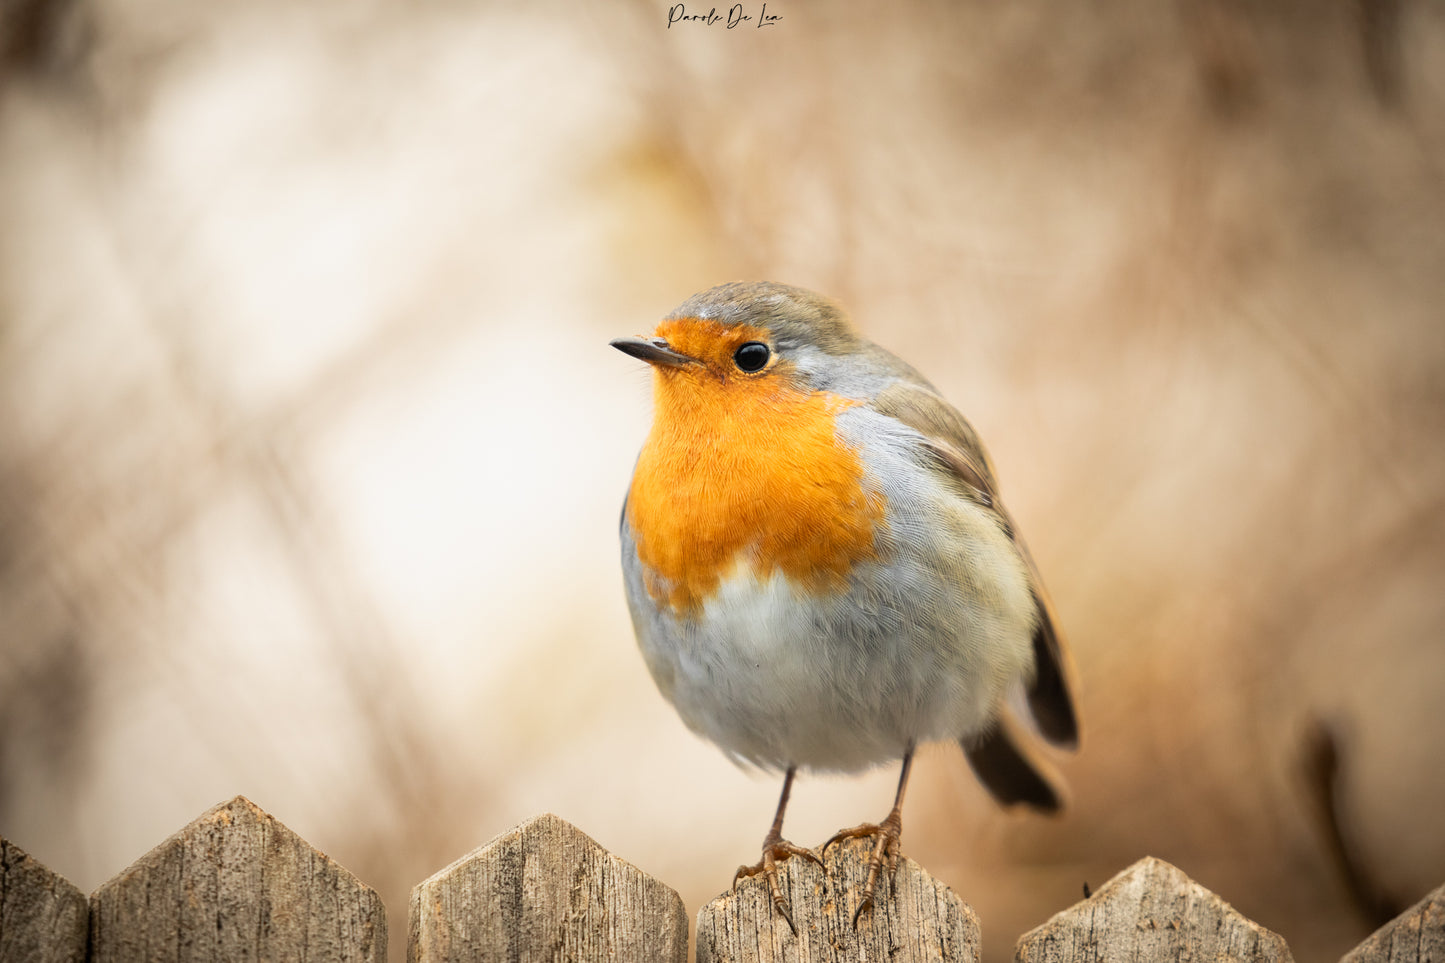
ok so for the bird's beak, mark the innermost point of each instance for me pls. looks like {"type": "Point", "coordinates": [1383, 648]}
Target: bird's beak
{"type": "Point", "coordinates": [653, 351]}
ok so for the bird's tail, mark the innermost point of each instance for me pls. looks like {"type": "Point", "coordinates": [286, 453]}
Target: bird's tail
{"type": "Point", "coordinates": [1011, 771]}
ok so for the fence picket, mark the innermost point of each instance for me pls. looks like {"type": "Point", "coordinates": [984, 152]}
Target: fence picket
{"type": "Point", "coordinates": [545, 891]}
{"type": "Point", "coordinates": [1415, 936]}
{"type": "Point", "coordinates": [43, 918]}
{"type": "Point", "coordinates": [1151, 911]}
{"type": "Point", "coordinates": [915, 919]}
{"type": "Point", "coordinates": [236, 884]}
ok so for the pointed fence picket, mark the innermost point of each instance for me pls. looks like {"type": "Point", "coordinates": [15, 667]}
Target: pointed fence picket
{"type": "Point", "coordinates": [42, 916]}
{"type": "Point", "coordinates": [238, 885]}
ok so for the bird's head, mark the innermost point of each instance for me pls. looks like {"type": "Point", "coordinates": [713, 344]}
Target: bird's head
{"type": "Point", "coordinates": [745, 337]}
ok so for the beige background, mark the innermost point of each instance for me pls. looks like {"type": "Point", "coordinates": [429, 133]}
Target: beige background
{"type": "Point", "coordinates": [311, 446]}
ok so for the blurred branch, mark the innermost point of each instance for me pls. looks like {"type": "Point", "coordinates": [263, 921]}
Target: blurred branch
{"type": "Point", "coordinates": [40, 37]}
{"type": "Point", "coordinates": [1322, 769]}
{"type": "Point", "coordinates": [1379, 23]}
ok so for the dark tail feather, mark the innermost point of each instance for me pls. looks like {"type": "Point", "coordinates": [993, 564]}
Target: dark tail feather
{"type": "Point", "coordinates": [1009, 774]}
{"type": "Point", "coordinates": [1048, 695]}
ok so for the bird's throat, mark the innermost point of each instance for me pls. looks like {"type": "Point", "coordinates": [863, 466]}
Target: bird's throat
{"type": "Point", "coordinates": [753, 472]}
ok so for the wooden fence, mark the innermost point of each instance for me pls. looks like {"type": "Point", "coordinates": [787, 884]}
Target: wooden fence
{"type": "Point", "coordinates": [237, 885]}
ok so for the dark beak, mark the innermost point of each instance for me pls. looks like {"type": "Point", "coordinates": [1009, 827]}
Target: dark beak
{"type": "Point", "coordinates": [652, 350]}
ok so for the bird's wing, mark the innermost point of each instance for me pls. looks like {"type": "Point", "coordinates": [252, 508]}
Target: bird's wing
{"type": "Point", "coordinates": [955, 447]}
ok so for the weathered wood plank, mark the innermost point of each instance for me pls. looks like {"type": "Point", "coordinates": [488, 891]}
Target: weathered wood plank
{"type": "Point", "coordinates": [545, 891]}
{"type": "Point", "coordinates": [236, 885]}
{"type": "Point", "coordinates": [1150, 911]}
{"type": "Point", "coordinates": [915, 919]}
{"type": "Point", "coordinates": [1415, 936]}
{"type": "Point", "coordinates": [43, 918]}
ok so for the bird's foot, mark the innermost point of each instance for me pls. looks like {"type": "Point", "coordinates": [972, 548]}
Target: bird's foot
{"type": "Point", "coordinates": [775, 850]}
{"type": "Point", "coordinates": [886, 836]}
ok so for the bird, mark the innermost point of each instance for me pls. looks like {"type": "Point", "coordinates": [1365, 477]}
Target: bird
{"type": "Point", "coordinates": [819, 570]}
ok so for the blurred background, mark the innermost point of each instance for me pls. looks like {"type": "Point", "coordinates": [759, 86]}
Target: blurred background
{"type": "Point", "coordinates": [312, 447]}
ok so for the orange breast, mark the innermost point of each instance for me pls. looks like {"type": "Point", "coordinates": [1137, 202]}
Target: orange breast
{"type": "Point", "coordinates": [747, 469]}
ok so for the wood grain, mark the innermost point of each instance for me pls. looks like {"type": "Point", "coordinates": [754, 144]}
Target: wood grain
{"type": "Point", "coordinates": [1415, 936]}
{"type": "Point", "coordinates": [236, 885]}
{"type": "Point", "coordinates": [916, 919]}
{"type": "Point", "coordinates": [1151, 911]}
{"type": "Point", "coordinates": [545, 891]}
{"type": "Point", "coordinates": [43, 918]}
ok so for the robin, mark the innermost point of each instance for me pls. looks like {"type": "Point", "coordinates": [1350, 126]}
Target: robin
{"type": "Point", "coordinates": [818, 567]}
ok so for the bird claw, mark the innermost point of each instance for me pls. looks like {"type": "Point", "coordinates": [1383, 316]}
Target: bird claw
{"type": "Point", "coordinates": [886, 836]}
{"type": "Point", "coordinates": [774, 852]}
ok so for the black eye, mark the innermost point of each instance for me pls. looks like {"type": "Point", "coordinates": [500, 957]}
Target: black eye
{"type": "Point", "coordinates": [751, 356]}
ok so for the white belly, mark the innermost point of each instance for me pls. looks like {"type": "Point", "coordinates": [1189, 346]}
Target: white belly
{"type": "Point", "coordinates": [777, 677]}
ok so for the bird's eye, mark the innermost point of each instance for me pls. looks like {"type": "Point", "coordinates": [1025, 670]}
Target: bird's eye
{"type": "Point", "coordinates": [752, 356]}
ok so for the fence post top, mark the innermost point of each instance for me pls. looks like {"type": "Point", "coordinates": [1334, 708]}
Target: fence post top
{"type": "Point", "coordinates": [1418, 934]}
{"type": "Point", "coordinates": [549, 888]}
{"type": "Point", "coordinates": [236, 883]}
{"type": "Point", "coordinates": [557, 831]}
{"type": "Point", "coordinates": [234, 814]}
{"type": "Point", "coordinates": [43, 916]}
{"type": "Point", "coordinates": [1152, 910]}
{"type": "Point", "coordinates": [15, 861]}
{"type": "Point", "coordinates": [743, 924]}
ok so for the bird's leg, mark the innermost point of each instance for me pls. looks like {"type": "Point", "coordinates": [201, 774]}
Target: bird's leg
{"type": "Point", "coordinates": [775, 850]}
{"type": "Point", "coordinates": [886, 836]}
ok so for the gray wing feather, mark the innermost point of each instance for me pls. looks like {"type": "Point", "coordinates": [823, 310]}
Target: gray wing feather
{"type": "Point", "coordinates": [956, 448]}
